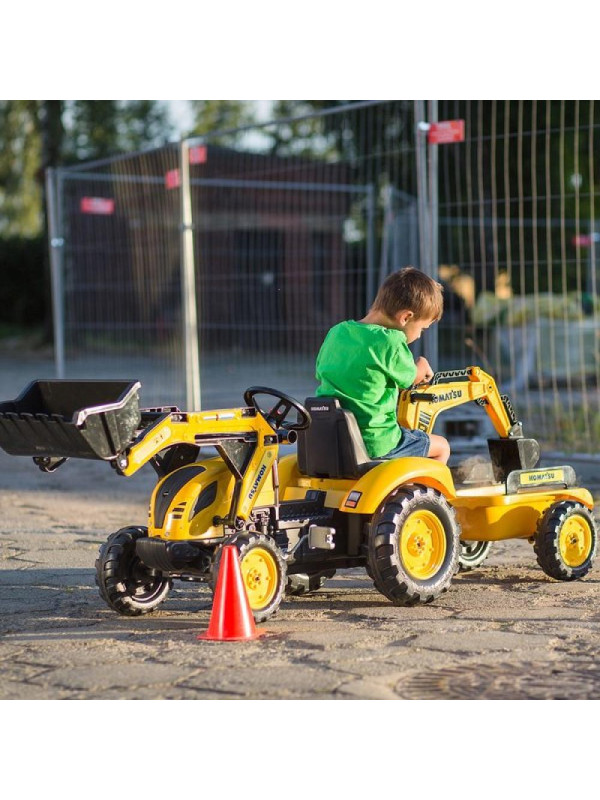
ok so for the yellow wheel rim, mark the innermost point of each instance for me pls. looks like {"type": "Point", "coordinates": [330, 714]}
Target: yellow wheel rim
{"type": "Point", "coordinates": [575, 541]}
{"type": "Point", "coordinates": [422, 544]}
{"type": "Point", "coordinates": [259, 573]}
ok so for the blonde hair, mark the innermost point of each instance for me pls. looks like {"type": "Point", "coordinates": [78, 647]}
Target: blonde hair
{"type": "Point", "coordinates": [412, 290]}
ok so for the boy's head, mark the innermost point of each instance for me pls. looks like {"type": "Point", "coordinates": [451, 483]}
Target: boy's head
{"type": "Point", "coordinates": [409, 296]}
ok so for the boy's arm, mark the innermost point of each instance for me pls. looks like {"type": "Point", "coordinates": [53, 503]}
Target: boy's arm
{"type": "Point", "coordinates": [424, 371]}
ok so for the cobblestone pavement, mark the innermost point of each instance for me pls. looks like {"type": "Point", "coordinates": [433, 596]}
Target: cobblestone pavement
{"type": "Point", "coordinates": [503, 631]}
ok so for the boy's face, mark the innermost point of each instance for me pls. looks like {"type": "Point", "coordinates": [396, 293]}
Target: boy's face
{"type": "Point", "coordinates": [412, 327]}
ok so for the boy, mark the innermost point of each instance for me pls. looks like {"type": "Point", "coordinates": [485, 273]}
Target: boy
{"type": "Point", "coordinates": [365, 364]}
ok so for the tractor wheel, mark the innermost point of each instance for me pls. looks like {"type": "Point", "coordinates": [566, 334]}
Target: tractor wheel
{"type": "Point", "coordinates": [303, 582]}
{"type": "Point", "coordinates": [263, 570]}
{"type": "Point", "coordinates": [414, 545]}
{"type": "Point", "coordinates": [565, 541]}
{"type": "Point", "coordinates": [472, 554]}
{"type": "Point", "coordinates": [125, 584]}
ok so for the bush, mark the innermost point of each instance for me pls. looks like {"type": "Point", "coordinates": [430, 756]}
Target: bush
{"type": "Point", "coordinates": [22, 281]}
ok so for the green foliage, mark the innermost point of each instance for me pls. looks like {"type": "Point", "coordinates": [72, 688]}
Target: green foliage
{"type": "Point", "coordinates": [35, 134]}
{"type": "Point", "coordinates": [20, 152]}
{"type": "Point", "coordinates": [102, 128]}
{"type": "Point", "coordinates": [214, 116]}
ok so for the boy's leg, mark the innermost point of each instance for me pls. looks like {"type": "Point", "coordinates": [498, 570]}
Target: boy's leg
{"type": "Point", "coordinates": [439, 448]}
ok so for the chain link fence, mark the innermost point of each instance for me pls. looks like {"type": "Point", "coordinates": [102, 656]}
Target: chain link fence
{"type": "Point", "coordinates": [278, 231]}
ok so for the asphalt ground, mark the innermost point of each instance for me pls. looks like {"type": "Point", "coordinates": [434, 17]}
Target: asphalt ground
{"type": "Point", "coordinates": [504, 631]}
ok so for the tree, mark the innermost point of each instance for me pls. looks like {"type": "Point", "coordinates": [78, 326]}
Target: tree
{"type": "Point", "coordinates": [103, 128]}
{"type": "Point", "coordinates": [214, 116]}
{"type": "Point", "coordinates": [37, 134]}
{"type": "Point", "coordinates": [20, 154]}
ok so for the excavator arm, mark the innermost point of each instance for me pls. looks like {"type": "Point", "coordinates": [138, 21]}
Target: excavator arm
{"type": "Point", "coordinates": [418, 407]}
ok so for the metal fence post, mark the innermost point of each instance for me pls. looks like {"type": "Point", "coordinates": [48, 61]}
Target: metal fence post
{"type": "Point", "coordinates": [427, 197]}
{"type": "Point", "coordinates": [188, 286]}
{"type": "Point", "coordinates": [431, 335]}
{"type": "Point", "coordinates": [56, 242]}
{"type": "Point", "coordinates": [421, 158]}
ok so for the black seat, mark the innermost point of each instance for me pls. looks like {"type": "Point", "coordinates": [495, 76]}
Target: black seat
{"type": "Point", "coordinates": [332, 446]}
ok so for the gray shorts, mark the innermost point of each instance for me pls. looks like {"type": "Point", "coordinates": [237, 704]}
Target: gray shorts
{"type": "Point", "coordinates": [412, 443]}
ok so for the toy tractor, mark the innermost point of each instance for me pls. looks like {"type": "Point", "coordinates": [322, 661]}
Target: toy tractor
{"type": "Point", "coordinates": [297, 519]}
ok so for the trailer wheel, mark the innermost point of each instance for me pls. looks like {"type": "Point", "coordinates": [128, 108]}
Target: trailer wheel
{"type": "Point", "coordinates": [125, 583]}
{"type": "Point", "coordinates": [303, 582]}
{"type": "Point", "coordinates": [263, 570]}
{"type": "Point", "coordinates": [565, 541]}
{"type": "Point", "coordinates": [472, 554]}
{"type": "Point", "coordinates": [413, 546]}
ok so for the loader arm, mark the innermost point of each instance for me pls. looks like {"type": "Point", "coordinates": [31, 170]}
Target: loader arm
{"type": "Point", "coordinates": [242, 437]}
{"type": "Point", "coordinates": [418, 407]}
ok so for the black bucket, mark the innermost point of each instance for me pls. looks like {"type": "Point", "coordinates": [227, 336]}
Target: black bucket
{"type": "Point", "coordinates": [71, 419]}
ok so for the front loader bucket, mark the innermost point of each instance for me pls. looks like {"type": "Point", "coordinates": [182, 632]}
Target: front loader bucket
{"type": "Point", "coordinates": [71, 419]}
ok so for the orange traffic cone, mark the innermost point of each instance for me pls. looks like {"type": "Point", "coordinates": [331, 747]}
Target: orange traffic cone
{"type": "Point", "coordinates": [231, 618]}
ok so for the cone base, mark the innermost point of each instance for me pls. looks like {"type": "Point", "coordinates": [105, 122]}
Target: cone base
{"type": "Point", "coordinates": [220, 638]}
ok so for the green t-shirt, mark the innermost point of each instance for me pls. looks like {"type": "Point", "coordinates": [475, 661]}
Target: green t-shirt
{"type": "Point", "coordinates": [364, 366]}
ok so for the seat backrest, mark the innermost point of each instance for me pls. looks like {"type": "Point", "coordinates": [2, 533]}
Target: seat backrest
{"type": "Point", "coordinates": [332, 446]}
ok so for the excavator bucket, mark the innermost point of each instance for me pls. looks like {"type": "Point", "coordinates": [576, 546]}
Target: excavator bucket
{"type": "Point", "coordinates": [59, 419]}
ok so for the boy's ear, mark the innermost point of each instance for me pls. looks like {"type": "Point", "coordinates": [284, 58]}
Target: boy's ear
{"type": "Point", "coordinates": [404, 316]}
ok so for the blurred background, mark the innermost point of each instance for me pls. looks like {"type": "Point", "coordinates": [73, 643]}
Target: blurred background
{"type": "Point", "coordinates": [205, 246]}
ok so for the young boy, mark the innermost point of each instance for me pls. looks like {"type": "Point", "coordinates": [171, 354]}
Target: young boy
{"type": "Point", "coordinates": [365, 364]}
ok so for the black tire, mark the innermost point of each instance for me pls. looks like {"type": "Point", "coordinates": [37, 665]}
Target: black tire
{"type": "Point", "coordinates": [565, 541]}
{"type": "Point", "coordinates": [472, 555]}
{"type": "Point", "coordinates": [413, 546]}
{"type": "Point", "coordinates": [125, 584]}
{"type": "Point", "coordinates": [303, 582]}
{"type": "Point", "coordinates": [264, 572]}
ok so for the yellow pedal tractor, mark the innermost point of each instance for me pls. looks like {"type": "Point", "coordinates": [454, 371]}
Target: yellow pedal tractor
{"type": "Point", "coordinates": [297, 519]}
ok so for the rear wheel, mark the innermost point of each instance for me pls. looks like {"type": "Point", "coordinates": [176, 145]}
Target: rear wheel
{"type": "Point", "coordinates": [565, 541]}
{"type": "Point", "coordinates": [263, 573]}
{"type": "Point", "coordinates": [472, 554]}
{"type": "Point", "coordinates": [125, 583]}
{"type": "Point", "coordinates": [414, 545]}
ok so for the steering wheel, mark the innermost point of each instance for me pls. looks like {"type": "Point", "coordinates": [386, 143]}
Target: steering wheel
{"type": "Point", "coordinates": [277, 415]}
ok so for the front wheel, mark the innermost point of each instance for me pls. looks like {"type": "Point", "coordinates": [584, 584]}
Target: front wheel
{"type": "Point", "coordinates": [565, 541]}
{"type": "Point", "coordinates": [125, 583]}
{"type": "Point", "coordinates": [413, 546]}
{"type": "Point", "coordinates": [263, 573]}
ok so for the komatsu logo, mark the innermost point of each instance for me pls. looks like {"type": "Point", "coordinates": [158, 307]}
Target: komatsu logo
{"type": "Point", "coordinates": [453, 394]}
{"type": "Point", "coordinates": [547, 476]}
{"type": "Point", "coordinates": [256, 483]}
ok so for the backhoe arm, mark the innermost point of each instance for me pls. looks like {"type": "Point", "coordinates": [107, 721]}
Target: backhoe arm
{"type": "Point", "coordinates": [419, 407]}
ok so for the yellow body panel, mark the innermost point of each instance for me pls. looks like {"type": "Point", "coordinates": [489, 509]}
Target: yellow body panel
{"type": "Point", "coordinates": [381, 481]}
{"type": "Point", "coordinates": [487, 517]}
{"type": "Point", "coordinates": [294, 486]}
{"type": "Point", "coordinates": [178, 524]}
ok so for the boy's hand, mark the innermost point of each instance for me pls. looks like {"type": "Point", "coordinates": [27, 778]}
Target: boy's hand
{"type": "Point", "coordinates": [424, 371]}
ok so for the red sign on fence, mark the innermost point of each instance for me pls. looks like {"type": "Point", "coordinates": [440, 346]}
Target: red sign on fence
{"type": "Point", "coordinates": [198, 155]}
{"type": "Point", "coordinates": [452, 130]}
{"type": "Point", "coordinates": [172, 179]}
{"type": "Point", "coordinates": [585, 239]}
{"type": "Point", "coordinates": [97, 205]}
